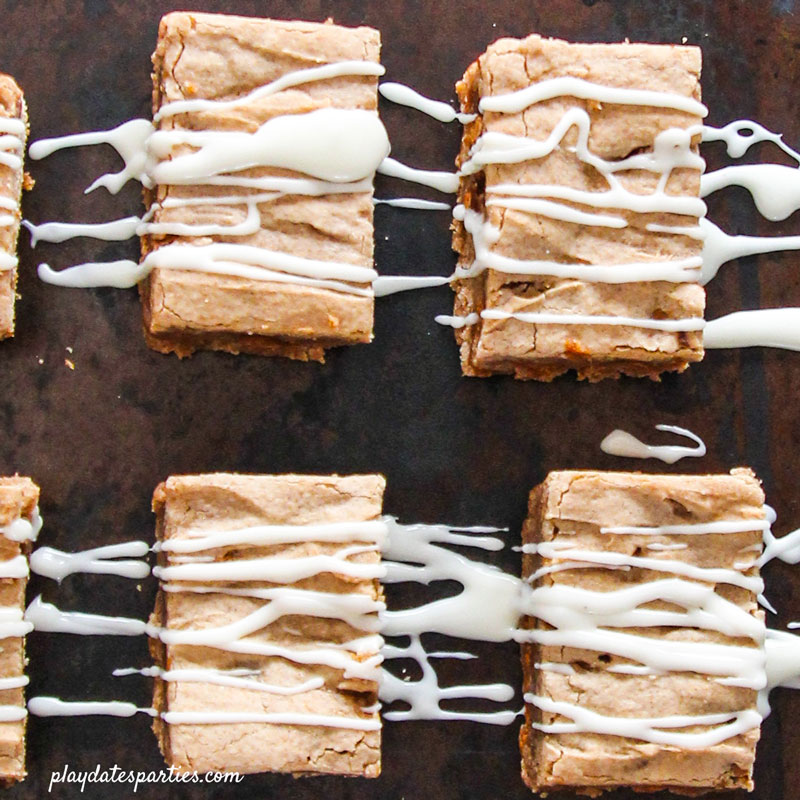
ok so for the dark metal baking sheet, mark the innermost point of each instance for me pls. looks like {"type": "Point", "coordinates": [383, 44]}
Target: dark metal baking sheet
{"type": "Point", "coordinates": [99, 438]}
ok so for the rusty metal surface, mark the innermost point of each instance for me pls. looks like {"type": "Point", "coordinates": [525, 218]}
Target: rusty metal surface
{"type": "Point", "coordinates": [99, 438]}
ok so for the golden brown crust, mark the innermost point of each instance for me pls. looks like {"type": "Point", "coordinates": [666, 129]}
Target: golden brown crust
{"type": "Point", "coordinates": [595, 352]}
{"type": "Point", "coordinates": [12, 104]}
{"type": "Point", "coordinates": [213, 56]}
{"type": "Point", "coordinates": [573, 505]}
{"type": "Point", "coordinates": [18, 498]}
{"type": "Point", "coordinates": [187, 504]}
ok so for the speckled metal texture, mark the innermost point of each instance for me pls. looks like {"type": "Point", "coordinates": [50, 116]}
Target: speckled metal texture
{"type": "Point", "coordinates": [100, 437]}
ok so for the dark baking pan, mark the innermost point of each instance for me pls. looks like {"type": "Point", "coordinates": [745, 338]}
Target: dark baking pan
{"type": "Point", "coordinates": [100, 437]}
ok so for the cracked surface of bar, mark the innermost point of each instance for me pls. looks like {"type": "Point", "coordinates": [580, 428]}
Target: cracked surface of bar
{"type": "Point", "coordinates": [533, 350]}
{"type": "Point", "coordinates": [568, 511]}
{"type": "Point", "coordinates": [220, 57]}
{"type": "Point", "coordinates": [192, 506]}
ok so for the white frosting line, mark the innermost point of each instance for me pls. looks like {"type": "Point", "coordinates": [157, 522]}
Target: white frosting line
{"type": "Point", "coordinates": [16, 567]}
{"type": "Point", "coordinates": [56, 564]}
{"type": "Point", "coordinates": [647, 729]}
{"type": "Point", "coordinates": [606, 558]}
{"type": "Point", "coordinates": [270, 569]}
{"type": "Point", "coordinates": [230, 678]}
{"type": "Point", "coordinates": [441, 181]}
{"type": "Point", "coordinates": [622, 443]}
{"type": "Point", "coordinates": [720, 247]}
{"type": "Point", "coordinates": [692, 529]}
{"type": "Point", "coordinates": [385, 285]}
{"type": "Point", "coordinates": [7, 261]}
{"type": "Point", "coordinates": [332, 144]}
{"type": "Point", "coordinates": [405, 96]}
{"type": "Point", "coordinates": [424, 696]}
{"type": "Point", "coordinates": [372, 531]}
{"type": "Point", "coordinates": [413, 203]}
{"type": "Point", "coordinates": [220, 258]}
{"type": "Point", "coordinates": [741, 134]}
{"type": "Point", "coordinates": [47, 617]}
{"type": "Point", "coordinates": [54, 707]}
{"type": "Point", "coordinates": [296, 78]}
{"type": "Point", "coordinates": [22, 529]}
{"type": "Point", "coordinates": [766, 327]}
{"type": "Point", "coordinates": [513, 102]}
{"type": "Point", "coordinates": [539, 318]}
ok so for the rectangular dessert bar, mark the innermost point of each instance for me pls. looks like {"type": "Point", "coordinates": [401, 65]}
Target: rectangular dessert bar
{"type": "Point", "coordinates": [220, 57]}
{"type": "Point", "coordinates": [13, 134]}
{"type": "Point", "coordinates": [554, 226]}
{"type": "Point", "coordinates": [568, 679]}
{"type": "Point", "coordinates": [271, 521]}
{"type": "Point", "coordinates": [19, 499]}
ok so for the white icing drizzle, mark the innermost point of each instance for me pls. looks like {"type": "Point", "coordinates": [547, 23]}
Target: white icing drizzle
{"type": "Point", "coordinates": [7, 261]}
{"type": "Point", "coordinates": [547, 208]}
{"type": "Point", "coordinates": [370, 531]}
{"type": "Point", "coordinates": [405, 96]}
{"type": "Point", "coordinates": [232, 677]}
{"type": "Point", "coordinates": [456, 321]}
{"type": "Point", "coordinates": [622, 443]}
{"type": "Point", "coordinates": [333, 144]}
{"type": "Point", "coordinates": [608, 558]}
{"type": "Point", "coordinates": [12, 134]}
{"type": "Point", "coordinates": [47, 617]}
{"type": "Point", "coordinates": [9, 713]}
{"type": "Point", "coordinates": [130, 142]}
{"type": "Point", "coordinates": [786, 548]}
{"type": "Point", "coordinates": [272, 569]}
{"type": "Point", "coordinates": [720, 247]}
{"type": "Point", "coordinates": [484, 234]}
{"type": "Point", "coordinates": [221, 258]}
{"type": "Point", "coordinates": [766, 327]}
{"type": "Point", "coordinates": [413, 554]}
{"type": "Point", "coordinates": [435, 179]}
{"type": "Point", "coordinates": [691, 529]}
{"type": "Point", "coordinates": [54, 707]}
{"type": "Point", "coordinates": [775, 188]}
{"type": "Point", "coordinates": [647, 729]}
{"type": "Point", "coordinates": [413, 203]}
{"type": "Point", "coordinates": [615, 198]}
{"type": "Point", "coordinates": [24, 529]}
{"type": "Point", "coordinates": [544, 318]}
{"type": "Point", "coordinates": [16, 567]}
{"type": "Point", "coordinates": [671, 150]}
{"type": "Point", "coordinates": [339, 149]}
{"type": "Point", "coordinates": [13, 625]}
{"type": "Point", "coordinates": [299, 77]}
{"type": "Point", "coordinates": [514, 102]}
{"type": "Point", "coordinates": [425, 696]}
{"type": "Point", "coordinates": [358, 611]}
{"type": "Point", "coordinates": [741, 134]}
{"type": "Point", "coordinates": [56, 564]}
{"type": "Point", "coordinates": [385, 285]}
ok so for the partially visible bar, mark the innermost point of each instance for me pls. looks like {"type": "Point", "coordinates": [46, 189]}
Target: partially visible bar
{"type": "Point", "coordinates": [13, 135]}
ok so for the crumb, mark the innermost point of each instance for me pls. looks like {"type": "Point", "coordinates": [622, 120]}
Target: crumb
{"type": "Point", "coordinates": [69, 349]}
{"type": "Point", "coordinates": [40, 360]}
{"type": "Point", "coordinates": [684, 39]}
{"type": "Point", "coordinates": [68, 363]}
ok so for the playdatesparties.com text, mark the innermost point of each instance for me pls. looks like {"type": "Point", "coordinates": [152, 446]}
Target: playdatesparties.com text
{"type": "Point", "coordinates": [115, 774]}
